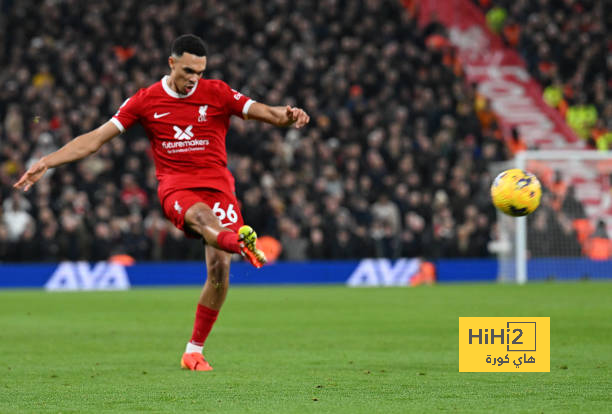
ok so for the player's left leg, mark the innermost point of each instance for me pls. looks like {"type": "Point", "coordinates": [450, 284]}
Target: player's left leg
{"type": "Point", "coordinates": [210, 302]}
{"type": "Point", "coordinates": [217, 281]}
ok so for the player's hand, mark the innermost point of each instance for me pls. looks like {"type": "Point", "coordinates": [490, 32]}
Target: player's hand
{"type": "Point", "coordinates": [33, 174]}
{"type": "Point", "coordinates": [297, 117]}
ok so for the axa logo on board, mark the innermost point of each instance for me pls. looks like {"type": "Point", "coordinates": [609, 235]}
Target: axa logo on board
{"type": "Point", "coordinates": [82, 276]}
{"type": "Point", "coordinates": [383, 272]}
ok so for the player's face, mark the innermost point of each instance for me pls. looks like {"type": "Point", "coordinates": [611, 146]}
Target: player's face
{"type": "Point", "coordinates": [186, 70]}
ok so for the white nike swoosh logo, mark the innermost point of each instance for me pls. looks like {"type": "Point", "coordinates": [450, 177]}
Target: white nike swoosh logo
{"type": "Point", "coordinates": [156, 115]}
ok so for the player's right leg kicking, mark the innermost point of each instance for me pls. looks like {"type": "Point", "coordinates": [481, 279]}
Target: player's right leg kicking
{"type": "Point", "coordinates": [221, 242]}
{"type": "Point", "coordinates": [200, 219]}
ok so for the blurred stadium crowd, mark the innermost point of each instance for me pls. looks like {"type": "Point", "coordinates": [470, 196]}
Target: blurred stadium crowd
{"type": "Point", "coordinates": [567, 46]}
{"type": "Point", "coordinates": [394, 162]}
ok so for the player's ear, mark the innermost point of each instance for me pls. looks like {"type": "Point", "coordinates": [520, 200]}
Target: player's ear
{"type": "Point", "coordinates": [171, 62]}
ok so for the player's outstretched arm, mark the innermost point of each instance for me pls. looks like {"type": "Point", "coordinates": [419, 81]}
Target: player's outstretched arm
{"type": "Point", "coordinates": [78, 148]}
{"type": "Point", "coordinates": [282, 116]}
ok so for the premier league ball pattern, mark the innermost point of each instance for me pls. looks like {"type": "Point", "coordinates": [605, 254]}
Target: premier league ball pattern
{"type": "Point", "coordinates": [516, 192]}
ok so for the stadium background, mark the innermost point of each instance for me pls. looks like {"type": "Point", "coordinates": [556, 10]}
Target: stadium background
{"type": "Point", "coordinates": [391, 175]}
{"type": "Point", "coordinates": [395, 160]}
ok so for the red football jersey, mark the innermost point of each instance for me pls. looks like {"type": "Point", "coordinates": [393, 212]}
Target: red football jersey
{"type": "Point", "coordinates": [187, 132]}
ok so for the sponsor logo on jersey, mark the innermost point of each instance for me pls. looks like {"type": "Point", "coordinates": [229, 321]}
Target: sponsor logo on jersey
{"type": "Point", "coordinates": [156, 115]}
{"type": "Point", "coordinates": [202, 112]}
{"type": "Point", "coordinates": [183, 134]}
{"type": "Point", "coordinates": [184, 141]}
{"type": "Point", "coordinates": [185, 144]}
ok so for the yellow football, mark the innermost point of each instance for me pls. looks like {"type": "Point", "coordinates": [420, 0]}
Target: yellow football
{"type": "Point", "coordinates": [516, 192]}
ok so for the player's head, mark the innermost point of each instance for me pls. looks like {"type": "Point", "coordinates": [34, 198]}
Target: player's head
{"type": "Point", "coordinates": [187, 62]}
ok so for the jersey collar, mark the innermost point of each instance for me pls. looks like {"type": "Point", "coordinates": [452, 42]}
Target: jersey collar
{"type": "Point", "coordinates": [174, 94]}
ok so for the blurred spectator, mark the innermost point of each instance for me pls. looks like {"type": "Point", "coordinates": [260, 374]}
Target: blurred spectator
{"type": "Point", "coordinates": [386, 211]}
{"type": "Point", "coordinates": [73, 239]}
{"type": "Point", "coordinates": [600, 230]}
{"type": "Point", "coordinates": [516, 143]}
{"type": "Point", "coordinates": [6, 246]}
{"type": "Point", "coordinates": [571, 206]}
{"type": "Point", "coordinates": [598, 246]}
{"type": "Point", "coordinates": [15, 216]}
{"type": "Point", "coordinates": [343, 246]}
{"type": "Point", "coordinates": [582, 117]}
{"type": "Point", "coordinates": [178, 247]}
{"type": "Point", "coordinates": [102, 243]}
{"type": "Point", "coordinates": [132, 196]}
{"type": "Point", "coordinates": [538, 235]}
{"type": "Point", "coordinates": [496, 17]}
{"type": "Point", "coordinates": [49, 244]}
{"type": "Point", "coordinates": [567, 241]}
{"type": "Point", "coordinates": [28, 245]}
{"type": "Point", "coordinates": [295, 246]}
{"type": "Point", "coordinates": [316, 247]}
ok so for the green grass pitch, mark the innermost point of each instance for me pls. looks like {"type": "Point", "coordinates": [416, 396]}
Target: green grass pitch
{"type": "Point", "coordinates": [298, 350]}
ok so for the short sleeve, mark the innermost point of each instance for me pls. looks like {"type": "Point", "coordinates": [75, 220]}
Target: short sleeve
{"type": "Point", "coordinates": [129, 112]}
{"type": "Point", "coordinates": [237, 103]}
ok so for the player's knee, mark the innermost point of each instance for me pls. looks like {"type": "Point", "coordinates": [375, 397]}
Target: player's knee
{"type": "Point", "coordinates": [198, 217]}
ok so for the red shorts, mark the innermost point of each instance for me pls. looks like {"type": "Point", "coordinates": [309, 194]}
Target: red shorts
{"type": "Point", "coordinates": [224, 205]}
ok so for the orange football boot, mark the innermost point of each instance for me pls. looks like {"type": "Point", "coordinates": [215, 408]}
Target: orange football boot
{"type": "Point", "coordinates": [194, 361]}
{"type": "Point", "coordinates": [248, 249]}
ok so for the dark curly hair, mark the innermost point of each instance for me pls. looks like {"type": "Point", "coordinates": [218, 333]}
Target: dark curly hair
{"type": "Point", "coordinates": [190, 44]}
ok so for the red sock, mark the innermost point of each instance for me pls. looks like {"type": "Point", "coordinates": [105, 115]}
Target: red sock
{"type": "Point", "coordinates": [228, 241]}
{"type": "Point", "coordinates": [204, 320]}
